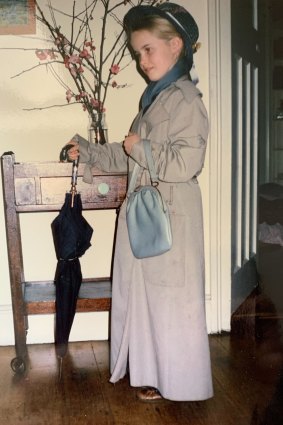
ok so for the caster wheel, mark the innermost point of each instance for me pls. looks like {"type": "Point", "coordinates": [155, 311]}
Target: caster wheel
{"type": "Point", "coordinates": [18, 365]}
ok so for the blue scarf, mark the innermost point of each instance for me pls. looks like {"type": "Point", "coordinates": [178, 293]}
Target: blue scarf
{"type": "Point", "coordinates": [155, 87]}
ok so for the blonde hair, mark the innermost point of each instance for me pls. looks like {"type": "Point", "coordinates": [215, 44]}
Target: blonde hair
{"type": "Point", "coordinates": [161, 27]}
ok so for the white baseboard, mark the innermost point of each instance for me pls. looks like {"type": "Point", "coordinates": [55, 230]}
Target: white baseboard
{"type": "Point", "coordinates": [7, 325]}
{"type": "Point", "coordinates": [86, 327]}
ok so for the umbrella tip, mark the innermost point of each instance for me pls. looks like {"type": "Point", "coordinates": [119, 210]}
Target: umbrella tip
{"type": "Point", "coordinates": [60, 368]}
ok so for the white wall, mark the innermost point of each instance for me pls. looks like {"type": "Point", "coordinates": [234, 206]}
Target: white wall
{"type": "Point", "coordinates": [39, 136]}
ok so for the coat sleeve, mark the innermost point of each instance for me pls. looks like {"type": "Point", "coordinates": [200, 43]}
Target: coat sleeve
{"type": "Point", "coordinates": [179, 156]}
{"type": "Point", "coordinates": [109, 157]}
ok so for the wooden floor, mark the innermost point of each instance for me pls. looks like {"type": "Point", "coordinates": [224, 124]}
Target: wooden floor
{"type": "Point", "coordinates": [246, 378]}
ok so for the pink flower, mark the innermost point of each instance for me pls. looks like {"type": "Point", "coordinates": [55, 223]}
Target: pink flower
{"type": "Point", "coordinates": [73, 71]}
{"type": "Point", "coordinates": [66, 61]}
{"type": "Point", "coordinates": [69, 95]}
{"type": "Point", "coordinates": [44, 54]}
{"type": "Point", "coordinates": [94, 103]}
{"type": "Point", "coordinates": [75, 59]}
{"type": "Point", "coordinates": [84, 54]}
{"type": "Point", "coordinates": [81, 95]}
{"type": "Point", "coordinates": [97, 105]}
{"type": "Point", "coordinates": [41, 54]}
{"type": "Point", "coordinates": [51, 54]}
{"type": "Point", "coordinates": [115, 69]}
{"type": "Point", "coordinates": [90, 45]}
{"type": "Point", "coordinates": [61, 40]}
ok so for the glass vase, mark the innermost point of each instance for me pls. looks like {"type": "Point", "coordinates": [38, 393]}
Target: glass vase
{"type": "Point", "coordinates": [97, 128]}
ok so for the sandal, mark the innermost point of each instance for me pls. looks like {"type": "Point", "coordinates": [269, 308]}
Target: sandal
{"type": "Point", "coordinates": [149, 394]}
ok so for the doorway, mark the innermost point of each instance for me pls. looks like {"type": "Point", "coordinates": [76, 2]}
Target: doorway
{"type": "Point", "coordinates": [257, 150]}
{"type": "Point", "coordinates": [270, 192]}
{"type": "Point", "coordinates": [247, 89]}
{"type": "Point", "coordinates": [257, 158]}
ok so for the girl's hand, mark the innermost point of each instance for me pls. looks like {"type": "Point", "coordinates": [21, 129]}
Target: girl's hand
{"type": "Point", "coordinates": [129, 142]}
{"type": "Point", "coordinates": [70, 151]}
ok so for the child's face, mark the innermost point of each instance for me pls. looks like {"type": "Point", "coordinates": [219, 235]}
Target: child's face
{"type": "Point", "coordinates": [155, 55]}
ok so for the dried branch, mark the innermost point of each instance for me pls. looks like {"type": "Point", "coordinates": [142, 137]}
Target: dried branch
{"type": "Point", "coordinates": [34, 67]}
{"type": "Point", "coordinates": [91, 73]}
{"type": "Point", "coordinates": [50, 106]}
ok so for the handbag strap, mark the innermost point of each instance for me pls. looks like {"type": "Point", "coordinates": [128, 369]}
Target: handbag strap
{"type": "Point", "coordinates": [137, 168]}
{"type": "Point", "coordinates": [150, 164]}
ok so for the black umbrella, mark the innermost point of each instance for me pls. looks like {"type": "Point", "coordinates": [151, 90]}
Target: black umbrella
{"type": "Point", "coordinates": [72, 235]}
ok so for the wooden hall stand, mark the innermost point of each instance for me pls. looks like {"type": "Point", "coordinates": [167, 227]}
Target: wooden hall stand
{"type": "Point", "coordinates": [41, 187]}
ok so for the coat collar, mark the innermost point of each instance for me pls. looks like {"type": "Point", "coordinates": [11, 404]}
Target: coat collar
{"type": "Point", "coordinates": [189, 91]}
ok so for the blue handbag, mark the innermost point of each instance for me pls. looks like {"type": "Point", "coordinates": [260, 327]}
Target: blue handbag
{"type": "Point", "coordinates": [147, 214]}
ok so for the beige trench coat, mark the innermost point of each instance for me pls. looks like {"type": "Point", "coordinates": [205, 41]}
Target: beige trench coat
{"type": "Point", "coordinates": [158, 324]}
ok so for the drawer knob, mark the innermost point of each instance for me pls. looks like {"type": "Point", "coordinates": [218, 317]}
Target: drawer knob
{"type": "Point", "coordinates": [103, 188]}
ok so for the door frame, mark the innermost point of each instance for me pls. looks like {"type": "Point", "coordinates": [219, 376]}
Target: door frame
{"type": "Point", "coordinates": [220, 159]}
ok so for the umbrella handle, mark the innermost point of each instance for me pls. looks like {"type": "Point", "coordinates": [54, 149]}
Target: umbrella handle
{"type": "Point", "coordinates": [73, 192]}
{"type": "Point", "coordinates": [74, 180]}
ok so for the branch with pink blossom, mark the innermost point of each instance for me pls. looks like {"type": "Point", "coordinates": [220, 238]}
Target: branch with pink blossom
{"type": "Point", "coordinates": [92, 73]}
{"type": "Point", "coordinates": [79, 39]}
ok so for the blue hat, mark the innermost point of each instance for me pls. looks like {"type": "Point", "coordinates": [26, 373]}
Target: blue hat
{"type": "Point", "coordinates": [177, 15]}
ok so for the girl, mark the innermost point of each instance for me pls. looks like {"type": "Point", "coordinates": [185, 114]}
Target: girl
{"type": "Point", "coordinates": [158, 326]}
